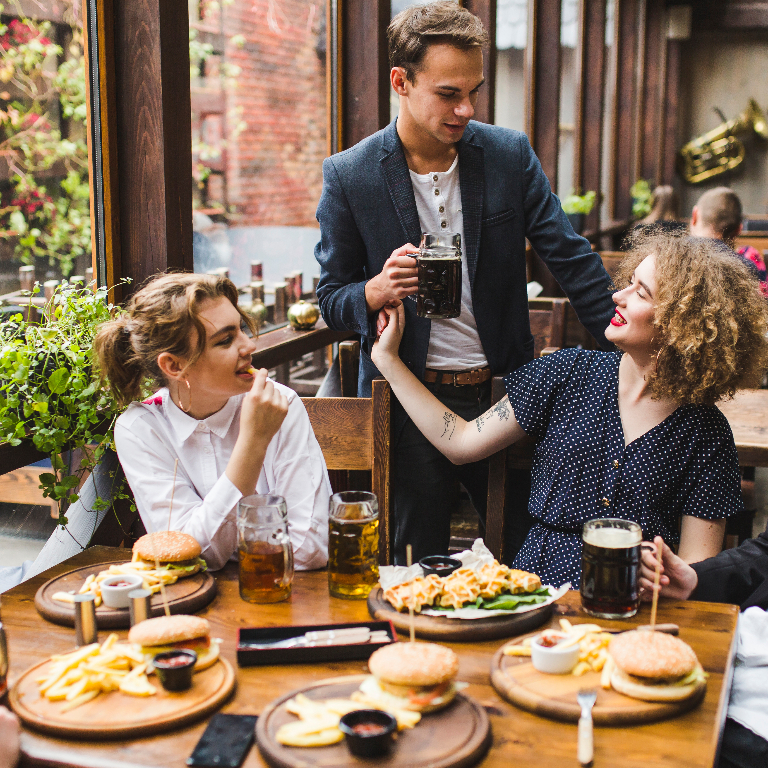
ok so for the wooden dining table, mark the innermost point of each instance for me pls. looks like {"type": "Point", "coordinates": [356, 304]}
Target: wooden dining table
{"type": "Point", "coordinates": [519, 738]}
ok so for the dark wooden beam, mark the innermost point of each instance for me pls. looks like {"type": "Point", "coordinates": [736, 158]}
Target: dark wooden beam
{"type": "Point", "coordinates": [729, 14]}
{"type": "Point", "coordinates": [626, 106]}
{"type": "Point", "coordinates": [671, 111]}
{"type": "Point", "coordinates": [154, 136]}
{"type": "Point", "coordinates": [286, 344]}
{"type": "Point", "coordinates": [588, 152]}
{"type": "Point", "coordinates": [365, 68]}
{"type": "Point", "coordinates": [485, 10]}
{"type": "Point", "coordinates": [543, 86]}
{"type": "Point", "coordinates": [652, 83]}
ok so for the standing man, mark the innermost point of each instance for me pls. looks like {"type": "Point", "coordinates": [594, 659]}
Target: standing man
{"type": "Point", "coordinates": [434, 170]}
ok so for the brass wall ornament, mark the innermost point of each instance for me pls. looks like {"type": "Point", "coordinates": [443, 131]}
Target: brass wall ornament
{"type": "Point", "coordinates": [718, 150]}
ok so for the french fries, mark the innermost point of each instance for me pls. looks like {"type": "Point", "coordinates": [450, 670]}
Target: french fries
{"type": "Point", "coordinates": [151, 578]}
{"type": "Point", "coordinates": [78, 677]}
{"type": "Point", "coordinates": [591, 638]}
{"type": "Point", "coordinates": [318, 721]}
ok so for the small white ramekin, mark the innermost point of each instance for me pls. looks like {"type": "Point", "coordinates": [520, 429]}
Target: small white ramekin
{"type": "Point", "coordinates": [553, 660]}
{"type": "Point", "coordinates": [117, 597]}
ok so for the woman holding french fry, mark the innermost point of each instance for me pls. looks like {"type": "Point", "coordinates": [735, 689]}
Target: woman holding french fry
{"type": "Point", "coordinates": [231, 430]}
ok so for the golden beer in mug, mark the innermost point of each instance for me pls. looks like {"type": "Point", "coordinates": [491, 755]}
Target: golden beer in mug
{"type": "Point", "coordinates": [353, 544]}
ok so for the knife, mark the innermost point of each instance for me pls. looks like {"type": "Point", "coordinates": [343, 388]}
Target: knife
{"type": "Point", "coordinates": [351, 635]}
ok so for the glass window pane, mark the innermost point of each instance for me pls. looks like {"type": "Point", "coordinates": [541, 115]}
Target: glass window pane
{"type": "Point", "coordinates": [259, 136]}
{"type": "Point", "coordinates": [569, 32]}
{"type": "Point", "coordinates": [511, 42]}
{"type": "Point", "coordinates": [45, 223]}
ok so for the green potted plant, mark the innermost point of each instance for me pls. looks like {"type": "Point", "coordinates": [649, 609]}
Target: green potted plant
{"type": "Point", "coordinates": [577, 207]}
{"type": "Point", "coordinates": [641, 198]}
{"type": "Point", "coordinates": [50, 395]}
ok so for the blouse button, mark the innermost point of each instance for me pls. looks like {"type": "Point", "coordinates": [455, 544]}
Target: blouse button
{"type": "Point", "coordinates": [606, 502]}
{"type": "Point", "coordinates": [443, 224]}
{"type": "Point", "coordinates": [437, 192]}
{"type": "Point", "coordinates": [615, 463]}
{"type": "Point", "coordinates": [434, 178]}
{"type": "Point", "coordinates": [441, 209]}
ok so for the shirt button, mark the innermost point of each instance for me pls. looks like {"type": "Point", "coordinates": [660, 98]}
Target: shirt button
{"type": "Point", "coordinates": [441, 209]}
{"type": "Point", "coordinates": [437, 192]}
{"type": "Point", "coordinates": [443, 224]}
{"type": "Point", "coordinates": [606, 502]}
{"type": "Point", "coordinates": [615, 463]}
{"type": "Point", "coordinates": [434, 178]}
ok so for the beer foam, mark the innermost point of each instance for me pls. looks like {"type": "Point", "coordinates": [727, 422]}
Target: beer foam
{"type": "Point", "coordinates": [612, 538]}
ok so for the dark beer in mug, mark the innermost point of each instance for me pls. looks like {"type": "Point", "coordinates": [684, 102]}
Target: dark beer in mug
{"type": "Point", "coordinates": [610, 567]}
{"type": "Point", "coordinates": [439, 296]}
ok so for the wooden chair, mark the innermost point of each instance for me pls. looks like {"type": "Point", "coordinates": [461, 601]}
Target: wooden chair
{"type": "Point", "coordinates": [612, 261]}
{"type": "Point", "coordinates": [354, 434]}
{"type": "Point", "coordinates": [547, 318]}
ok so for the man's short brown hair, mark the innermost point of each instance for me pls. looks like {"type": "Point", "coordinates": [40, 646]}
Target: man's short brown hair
{"type": "Point", "coordinates": [720, 208]}
{"type": "Point", "coordinates": [413, 30]}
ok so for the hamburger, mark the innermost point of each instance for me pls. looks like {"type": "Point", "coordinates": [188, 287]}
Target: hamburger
{"type": "Point", "coordinates": [655, 667]}
{"type": "Point", "coordinates": [170, 633]}
{"type": "Point", "coordinates": [414, 676]}
{"type": "Point", "coordinates": [176, 552]}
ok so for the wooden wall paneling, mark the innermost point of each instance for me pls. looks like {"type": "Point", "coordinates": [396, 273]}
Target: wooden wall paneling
{"type": "Point", "coordinates": [154, 136]}
{"type": "Point", "coordinates": [730, 14]}
{"type": "Point", "coordinates": [364, 67]}
{"type": "Point", "coordinates": [98, 18]}
{"type": "Point", "coordinates": [669, 144]}
{"type": "Point", "coordinates": [626, 96]}
{"type": "Point", "coordinates": [588, 153]}
{"type": "Point", "coordinates": [333, 64]}
{"type": "Point", "coordinates": [485, 10]}
{"type": "Point", "coordinates": [543, 83]}
{"type": "Point", "coordinates": [652, 83]}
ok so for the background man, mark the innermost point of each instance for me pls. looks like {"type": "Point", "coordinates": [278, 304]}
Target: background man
{"type": "Point", "coordinates": [434, 169]}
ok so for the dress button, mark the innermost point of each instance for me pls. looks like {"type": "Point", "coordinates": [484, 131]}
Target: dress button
{"type": "Point", "coordinates": [615, 463]}
{"type": "Point", "coordinates": [437, 192]}
{"type": "Point", "coordinates": [606, 502]}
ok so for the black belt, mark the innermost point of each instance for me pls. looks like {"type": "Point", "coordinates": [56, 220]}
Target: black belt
{"type": "Point", "coordinates": [559, 528]}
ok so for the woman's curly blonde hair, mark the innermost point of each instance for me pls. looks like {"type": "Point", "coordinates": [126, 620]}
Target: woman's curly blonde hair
{"type": "Point", "coordinates": [710, 318]}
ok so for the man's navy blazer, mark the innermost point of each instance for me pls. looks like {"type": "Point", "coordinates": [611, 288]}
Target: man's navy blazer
{"type": "Point", "coordinates": [368, 209]}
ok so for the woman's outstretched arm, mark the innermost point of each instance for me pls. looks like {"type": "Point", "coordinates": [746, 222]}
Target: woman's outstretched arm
{"type": "Point", "coordinates": [459, 440]}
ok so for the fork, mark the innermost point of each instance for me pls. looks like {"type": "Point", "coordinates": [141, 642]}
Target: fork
{"type": "Point", "coordinates": [586, 698]}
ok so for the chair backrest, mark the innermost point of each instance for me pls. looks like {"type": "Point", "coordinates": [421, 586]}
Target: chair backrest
{"type": "Point", "coordinates": [354, 434]}
{"type": "Point", "coordinates": [612, 261]}
{"type": "Point", "coordinates": [757, 240]}
{"type": "Point", "coordinates": [547, 318]}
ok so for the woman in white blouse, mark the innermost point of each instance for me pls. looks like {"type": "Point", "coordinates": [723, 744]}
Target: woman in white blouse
{"type": "Point", "coordinates": [233, 431]}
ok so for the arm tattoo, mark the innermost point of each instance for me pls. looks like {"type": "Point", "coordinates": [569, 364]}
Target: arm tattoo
{"type": "Point", "coordinates": [450, 424]}
{"type": "Point", "coordinates": [479, 422]}
{"type": "Point", "coordinates": [502, 409]}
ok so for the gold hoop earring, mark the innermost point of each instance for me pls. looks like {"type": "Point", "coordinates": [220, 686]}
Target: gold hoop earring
{"type": "Point", "coordinates": [189, 390]}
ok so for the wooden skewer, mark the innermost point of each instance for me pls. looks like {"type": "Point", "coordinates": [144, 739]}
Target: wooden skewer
{"type": "Point", "coordinates": [656, 581]}
{"type": "Point", "coordinates": [409, 560]}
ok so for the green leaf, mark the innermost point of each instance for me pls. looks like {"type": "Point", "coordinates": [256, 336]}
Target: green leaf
{"type": "Point", "coordinates": [58, 380]}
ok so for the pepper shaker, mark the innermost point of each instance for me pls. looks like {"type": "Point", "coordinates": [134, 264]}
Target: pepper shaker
{"type": "Point", "coordinates": [85, 619]}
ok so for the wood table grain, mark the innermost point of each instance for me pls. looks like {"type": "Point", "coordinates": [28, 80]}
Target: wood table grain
{"type": "Point", "coordinates": [747, 414]}
{"type": "Point", "coordinates": [519, 738]}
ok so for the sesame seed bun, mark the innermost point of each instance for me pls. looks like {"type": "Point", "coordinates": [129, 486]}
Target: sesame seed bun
{"type": "Point", "coordinates": [653, 655]}
{"type": "Point", "coordinates": [167, 547]}
{"type": "Point", "coordinates": [165, 630]}
{"type": "Point", "coordinates": [414, 664]}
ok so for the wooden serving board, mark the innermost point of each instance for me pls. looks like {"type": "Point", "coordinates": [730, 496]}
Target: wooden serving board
{"type": "Point", "coordinates": [458, 630]}
{"type": "Point", "coordinates": [554, 696]}
{"type": "Point", "coordinates": [455, 737]}
{"type": "Point", "coordinates": [114, 715]}
{"type": "Point", "coordinates": [185, 596]}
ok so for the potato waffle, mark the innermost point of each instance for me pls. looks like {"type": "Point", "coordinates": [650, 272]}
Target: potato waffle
{"type": "Point", "coordinates": [493, 578]}
{"type": "Point", "coordinates": [415, 594]}
{"type": "Point", "coordinates": [521, 582]}
{"type": "Point", "coordinates": [459, 588]}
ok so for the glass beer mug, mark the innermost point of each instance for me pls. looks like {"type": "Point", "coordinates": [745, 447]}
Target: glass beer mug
{"type": "Point", "coordinates": [439, 265]}
{"type": "Point", "coordinates": [264, 549]}
{"type": "Point", "coordinates": [353, 544]}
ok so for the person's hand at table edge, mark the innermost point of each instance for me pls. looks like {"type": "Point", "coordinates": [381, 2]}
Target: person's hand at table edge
{"type": "Point", "coordinates": [9, 739]}
{"type": "Point", "coordinates": [677, 580]}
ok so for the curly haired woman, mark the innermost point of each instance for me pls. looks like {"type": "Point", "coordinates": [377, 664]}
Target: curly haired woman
{"type": "Point", "coordinates": [634, 434]}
